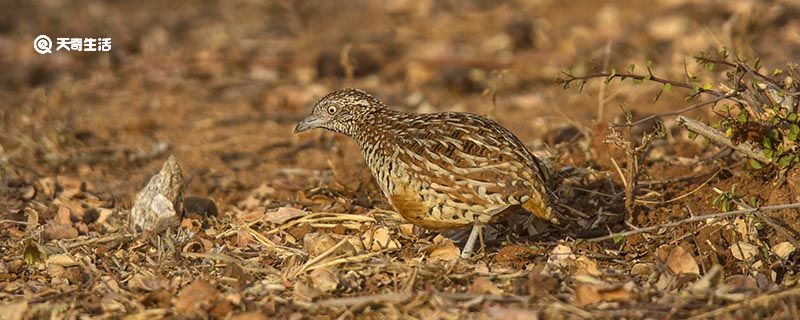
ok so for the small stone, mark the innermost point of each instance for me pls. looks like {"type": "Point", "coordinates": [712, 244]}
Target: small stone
{"type": "Point", "coordinates": [156, 206]}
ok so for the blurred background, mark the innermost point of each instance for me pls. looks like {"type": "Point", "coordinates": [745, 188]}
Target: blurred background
{"type": "Point", "coordinates": [221, 84]}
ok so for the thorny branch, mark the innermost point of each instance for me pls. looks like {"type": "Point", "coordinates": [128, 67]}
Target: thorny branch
{"type": "Point", "coordinates": [696, 219]}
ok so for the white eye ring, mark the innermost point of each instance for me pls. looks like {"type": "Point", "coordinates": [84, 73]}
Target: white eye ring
{"type": "Point", "coordinates": [331, 109]}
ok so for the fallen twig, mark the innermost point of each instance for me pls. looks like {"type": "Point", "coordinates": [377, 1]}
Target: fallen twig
{"type": "Point", "coordinates": [762, 300]}
{"type": "Point", "coordinates": [392, 297]}
{"type": "Point", "coordinates": [719, 138]}
{"type": "Point", "coordinates": [695, 219]}
{"type": "Point", "coordinates": [105, 239]}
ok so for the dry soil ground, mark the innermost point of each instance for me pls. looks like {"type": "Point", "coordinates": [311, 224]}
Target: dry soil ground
{"type": "Point", "coordinates": [300, 230]}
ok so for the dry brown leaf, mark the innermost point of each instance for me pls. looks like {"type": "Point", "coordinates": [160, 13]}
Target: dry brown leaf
{"type": "Point", "coordinates": [48, 186]}
{"type": "Point", "coordinates": [407, 229]}
{"type": "Point", "coordinates": [439, 239]}
{"type": "Point", "coordinates": [642, 269]}
{"type": "Point", "coordinates": [587, 266]}
{"type": "Point", "coordinates": [379, 239]}
{"type": "Point", "coordinates": [54, 231]}
{"type": "Point", "coordinates": [503, 313]}
{"type": "Point", "coordinates": [13, 310]}
{"type": "Point", "coordinates": [252, 315]}
{"type": "Point", "coordinates": [743, 250]}
{"type": "Point", "coordinates": [248, 216]}
{"type": "Point", "coordinates": [483, 285]}
{"type": "Point", "coordinates": [316, 243]}
{"type": "Point", "coordinates": [195, 299]}
{"type": "Point", "coordinates": [103, 214]}
{"type": "Point", "coordinates": [62, 260]}
{"type": "Point", "coordinates": [678, 260]}
{"type": "Point", "coordinates": [32, 219]}
{"type": "Point", "coordinates": [147, 282]}
{"type": "Point", "coordinates": [284, 214]}
{"type": "Point", "coordinates": [28, 193]}
{"type": "Point", "coordinates": [324, 279]}
{"type": "Point", "coordinates": [586, 294]}
{"type": "Point", "coordinates": [63, 216]}
{"type": "Point", "coordinates": [783, 249]}
{"type": "Point", "coordinates": [445, 251]}
{"type": "Point", "coordinates": [741, 282]}
{"type": "Point", "coordinates": [304, 292]}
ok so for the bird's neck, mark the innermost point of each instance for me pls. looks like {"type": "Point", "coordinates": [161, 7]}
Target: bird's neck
{"type": "Point", "coordinates": [377, 127]}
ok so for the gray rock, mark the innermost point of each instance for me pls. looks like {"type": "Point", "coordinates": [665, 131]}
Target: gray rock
{"type": "Point", "coordinates": [157, 205]}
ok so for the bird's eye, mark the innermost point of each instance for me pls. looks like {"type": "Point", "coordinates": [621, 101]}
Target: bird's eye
{"type": "Point", "coordinates": [331, 109]}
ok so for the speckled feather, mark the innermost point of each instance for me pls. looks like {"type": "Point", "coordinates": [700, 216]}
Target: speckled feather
{"type": "Point", "coordinates": [441, 170]}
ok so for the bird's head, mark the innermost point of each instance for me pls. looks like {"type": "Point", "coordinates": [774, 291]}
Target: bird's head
{"type": "Point", "coordinates": [341, 111]}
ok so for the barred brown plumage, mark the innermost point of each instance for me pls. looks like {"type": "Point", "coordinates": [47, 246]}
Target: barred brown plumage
{"type": "Point", "coordinates": [440, 170]}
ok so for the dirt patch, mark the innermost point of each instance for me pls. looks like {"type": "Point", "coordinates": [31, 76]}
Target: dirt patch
{"type": "Point", "coordinates": [279, 225]}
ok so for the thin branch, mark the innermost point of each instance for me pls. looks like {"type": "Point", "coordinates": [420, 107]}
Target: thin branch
{"type": "Point", "coordinates": [622, 76]}
{"type": "Point", "coordinates": [108, 238]}
{"type": "Point", "coordinates": [742, 65]}
{"type": "Point", "coordinates": [677, 112]}
{"type": "Point", "coordinates": [719, 138]}
{"type": "Point", "coordinates": [695, 219]}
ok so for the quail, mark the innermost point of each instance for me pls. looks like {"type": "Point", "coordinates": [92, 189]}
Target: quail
{"type": "Point", "coordinates": [440, 171]}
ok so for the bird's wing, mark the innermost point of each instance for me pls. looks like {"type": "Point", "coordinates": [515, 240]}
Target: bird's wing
{"type": "Point", "coordinates": [473, 160]}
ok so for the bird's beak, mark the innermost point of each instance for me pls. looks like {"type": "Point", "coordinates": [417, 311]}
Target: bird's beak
{"type": "Point", "coordinates": [308, 123]}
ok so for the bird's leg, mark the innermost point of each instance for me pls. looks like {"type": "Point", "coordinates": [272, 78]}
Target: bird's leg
{"type": "Point", "coordinates": [477, 230]}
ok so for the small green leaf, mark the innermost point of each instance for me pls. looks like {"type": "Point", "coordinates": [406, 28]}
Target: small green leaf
{"type": "Point", "coordinates": [774, 134]}
{"type": "Point", "coordinates": [618, 238]}
{"type": "Point", "coordinates": [755, 164]}
{"type": "Point", "coordinates": [692, 135]}
{"type": "Point", "coordinates": [742, 117]}
{"type": "Point", "coordinates": [666, 87]}
{"type": "Point", "coordinates": [710, 66]}
{"type": "Point", "coordinates": [611, 76]}
{"type": "Point", "coordinates": [769, 153]}
{"type": "Point", "coordinates": [777, 72]}
{"type": "Point", "coordinates": [766, 143]}
{"type": "Point", "coordinates": [793, 131]}
{"type": "Point", "coordinates": [631, 68]}
{"type": "Point", "coordinates": [791, 117]}
{"type": "Point", "coordinates": [707, 87]}
{"type": "Point", "coordinates": [637, 81]}
{"type": "Point", "coordinates": [785, 161]}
